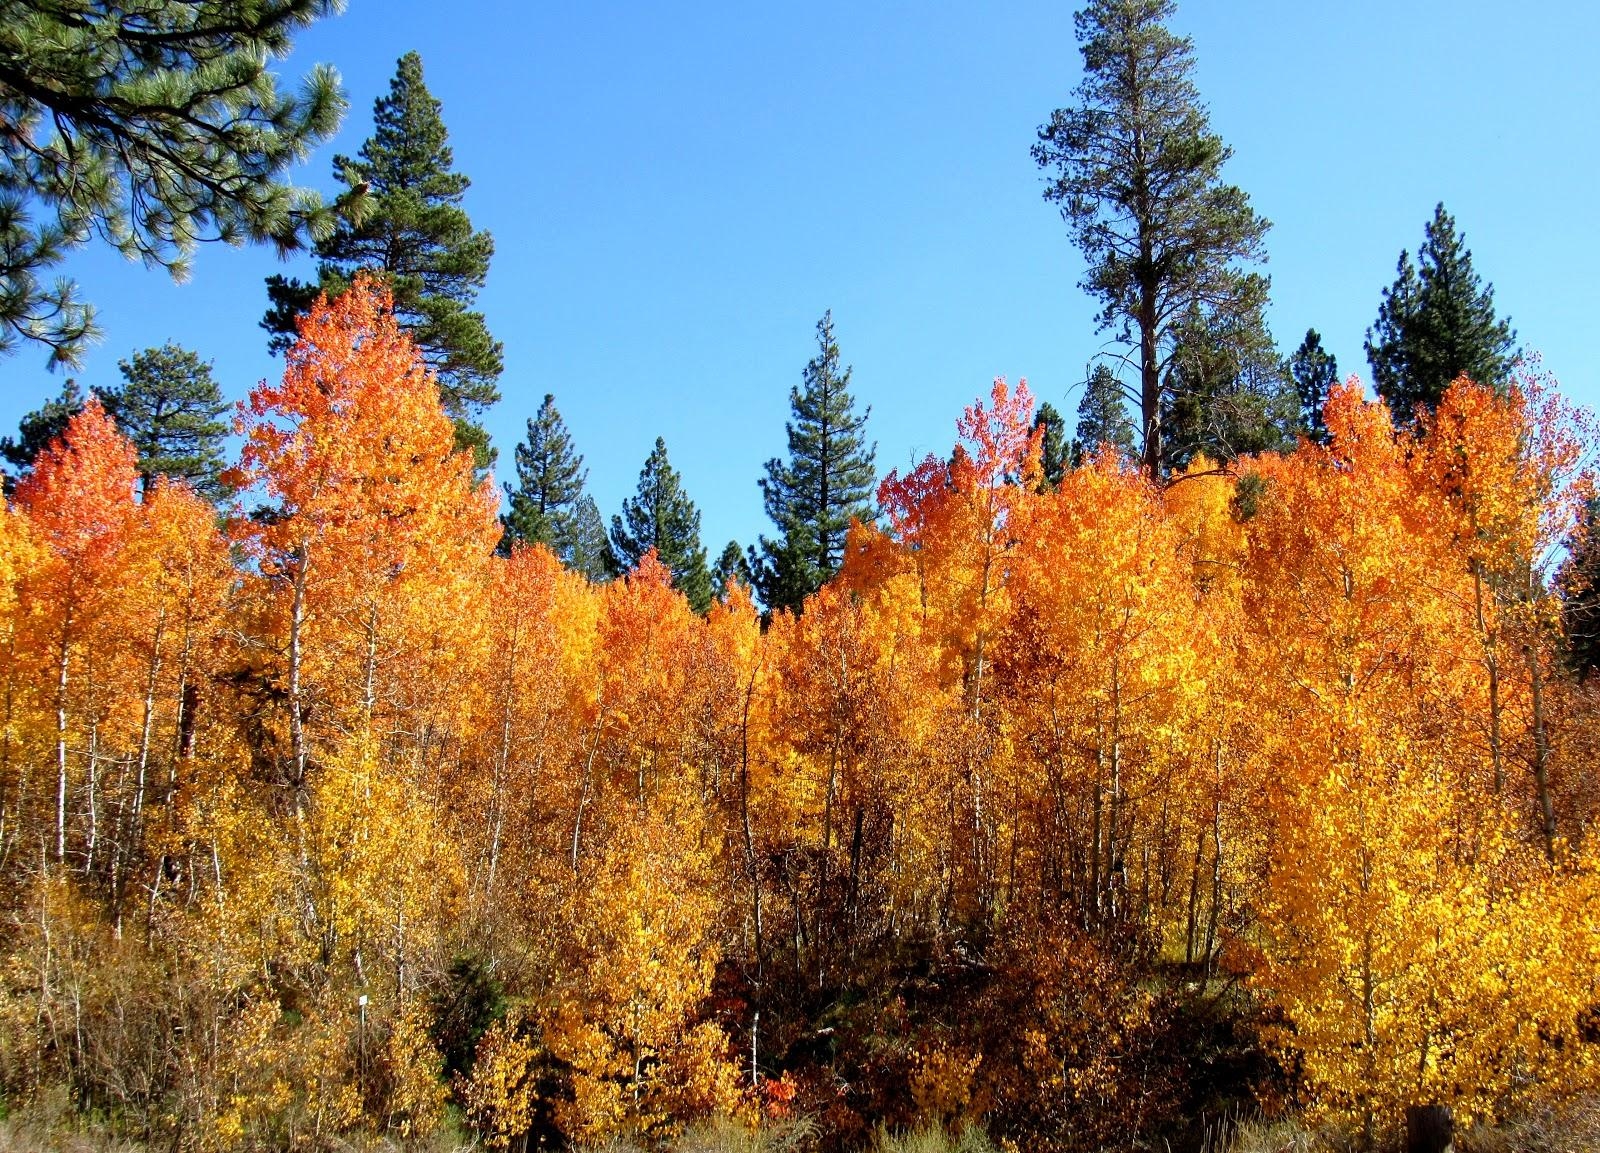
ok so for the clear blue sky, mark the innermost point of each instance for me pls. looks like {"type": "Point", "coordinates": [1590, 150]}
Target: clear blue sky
{"type": "Point", "coordinates": [677, 193]}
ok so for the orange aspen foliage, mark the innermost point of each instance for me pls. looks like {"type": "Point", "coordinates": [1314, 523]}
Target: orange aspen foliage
{"type": "Point", "coordinates": [954, 521]}
{"type": "Point", "coordinates": [1512, 470]}
{"type": "Point", "coordinates": [857, 795]}
{"type": "Point", "coordinates": [78, 500]}
{"type": "Point", "coordinates": [1394, 921]}
{"type": "Point", "coordinates": [18, 557]}
{"type": "Point", "coordinates": [1044, 813]}
{"type": "Point", "coordinates": [1099, 670]}
{"type": "Point", "coordinates": [645, 629]}
{"type": "Point", "coordinates": [954, 518]}
{"type": "Point", "coordinates": [537, 710]}
{"type": "Point", "coordinates": [373, 514]}
{"type": "Point", "coordinates": [368, 552]}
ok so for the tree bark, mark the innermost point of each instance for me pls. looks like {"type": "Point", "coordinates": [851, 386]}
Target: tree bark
{"type": "Point", "coordinates": [1429, 1129]}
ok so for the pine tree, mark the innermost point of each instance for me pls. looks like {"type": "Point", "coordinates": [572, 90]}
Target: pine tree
{"type": "Point", "coordinates": [153, 126]}
{"type": "Point", "coordinates": [826, 483]}
{"type": "Point", "coordinates": [1315, 372]}
{"type": "Point", "coordinates": [1055, 453]}
{"type": "Point", "coordinates": [38, 428]}
{"type": "Point", "coordinates": [1138, 176]}
{"type": "Point", "coordinates": [1437, 322]}
{"type": "Point", "coordinates": [1228, 391]}
{"type": "Point", "coordinates": [550, 480]}
{"type": "Point", "coordinates": [591, 553]}
{"type": "Point", "coordinates": [730, 564]}
{"type": "Point", "coordinates": [1102, 416]}
{"type": "Point", "coordinates": [416, 234]}
{"type": "Point", "coordinates": [169, 406]}
{"type": "Point", "coordinates": [662, 517]}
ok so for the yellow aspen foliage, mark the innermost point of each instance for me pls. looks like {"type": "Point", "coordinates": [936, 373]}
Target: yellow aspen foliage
{"type": "Point", "coordinates": [498, 1097]}
{"type": "Point", "coordinates": [286, 1081]}
{"type": "Point", "coordinates": [1392, 921]}
{"type": "Point", "coordinates": [638, 951]}
{"type": "Point", "coordinates": [411, 1092]}
{"type": "Point", "coordinates": [942, 1085]}
{"type": "Point", "coordinates": [1203, 505]}
{"type": "Point", "coordinates": [954, 517]}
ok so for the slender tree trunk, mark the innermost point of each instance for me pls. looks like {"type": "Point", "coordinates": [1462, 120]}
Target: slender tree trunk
{"type": "Point", "coordinates": [147, 727]}
{"type": "Point", "coordinates": [7, 826]}
{"type": "Point", "coordinates": [369, 671]}
{"type": "Point", "coordinates": [583, 784]}
{"type": "Point", "coordinates": [1149, 376]}
{"type": "Point", "coordinates": [497, 799]}
{"type": "Point", "coordinates": [93, 797]}
{"type": "Point", "coordinates": [297, 621]}
{"type": "Point", "coordinates": [1216, 886]}
{"type": "Point", "coordinates": [502, 762]}
{"type": "Point", "coordinates": [188, 706]}
{"type": "Point", "coordinates": [751, 864]}
{"type": "Point", "coordinates": [1369, 1017]}
{"type": "Point", "coordinates": [134, 835]}
{"type": "Point", "coordinates": [1114, 821]}
{"type": "Point", "coordinates": [1491, 662]}
{"type": "Point", "coordinates": [1096, 848]}
{"type": "Point", "coordinates": [1194, 899]}
{"type": "Point", "coordinates": [854, 887]}
{"type": "Point", "coordinates": [827, 858]}
{"type": "Point", "coordinates": [298, 752]}
{"type": "Point", "coordinates": [63, 654]}
{"type": "Point", "coordinates": [1541, 751]}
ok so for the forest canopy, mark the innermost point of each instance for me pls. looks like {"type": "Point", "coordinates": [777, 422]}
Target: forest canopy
{"type": "Point", "coordinates": [324, 820]}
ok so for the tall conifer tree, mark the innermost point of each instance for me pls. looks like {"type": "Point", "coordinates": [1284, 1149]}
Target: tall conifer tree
{"type": "Point", "coordinates": [416, 234]}
{"type": "Point", "coordinates": [825, 484]}
{"type": "Point", "coordinates": [1102, 416]}
{"type": "Point", "coordinates": [661, 516]}
{"type": "Point", "coordinates": [1055, 452]}
{"type": "Point", "coordinates": [1437, 322]}
{"type": "Point", "coordinates": [1137, 173]}
{"type": "Point", "coordinates": [1229, 392]}
{"type": "Point", "coordinates": [1315, 372]}
{"type": "Point", "coordinates": [170, 406]}
{"type": "Point", "coordinates": [591, 553]}
{"type": "Point", "coordinates": [731, 565]}
{"type": "Point", "coordinates": [550, 479]}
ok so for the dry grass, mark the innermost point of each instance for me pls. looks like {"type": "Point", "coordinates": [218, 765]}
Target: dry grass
{"type": "Point", "coordinates": [932, 1139]}
{"type": "Point", "coordinates": [1570, 1128]}
{"type": "Point", "coordinates": [1269, 1137]}
{"type": "Point", "coordinates": [49, 1126]}
{"type": "Point", "coordinates": [726, 1135]}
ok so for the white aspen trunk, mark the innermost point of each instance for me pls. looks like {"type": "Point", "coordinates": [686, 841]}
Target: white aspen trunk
{"type": "Point", "coordinates": [62, 671]}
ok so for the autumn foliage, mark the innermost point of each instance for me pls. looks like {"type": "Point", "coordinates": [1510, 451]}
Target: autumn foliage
{"type": "Point", "coordinates": [1077, 810]}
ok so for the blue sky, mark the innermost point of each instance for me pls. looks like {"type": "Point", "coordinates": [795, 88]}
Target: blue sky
{"type": "Point", "coordinates": [677, 195]}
